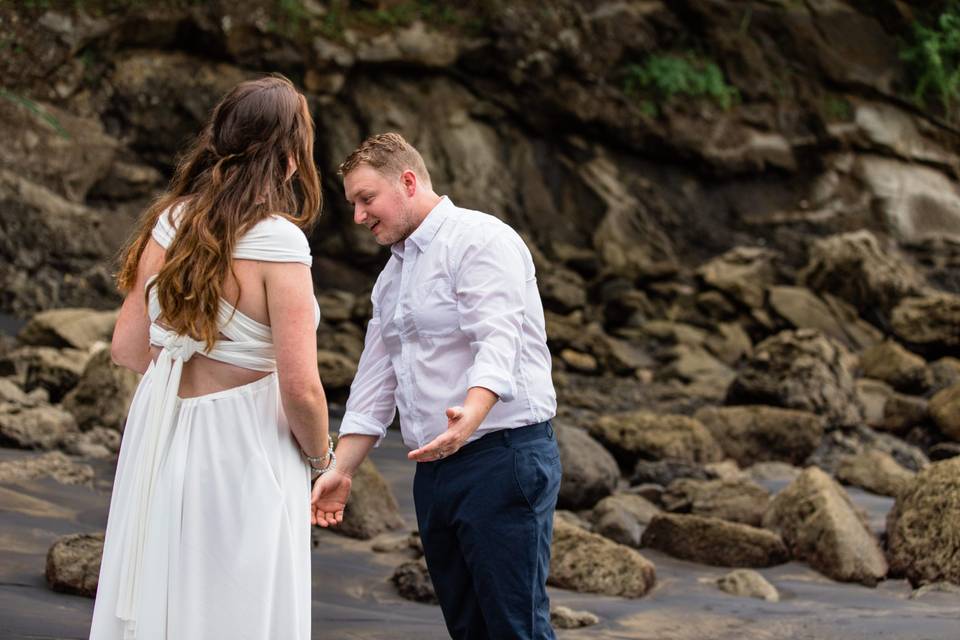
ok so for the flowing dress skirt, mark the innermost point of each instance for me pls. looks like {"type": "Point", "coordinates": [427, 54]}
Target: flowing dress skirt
{"type": "Point", "coordinates": [227, 547]}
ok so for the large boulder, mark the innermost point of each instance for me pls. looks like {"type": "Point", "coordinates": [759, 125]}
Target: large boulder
{"type": "Point", "coordinates": [929, 323]}
{"type": "Point", "coordinates": [372, 509]}
{"type": "Point", "coordinates": [103, 395]}
{"type": "Point", "coordinates": [838, 445]}
{"type": "Point", "coordinates": [663, 472]}
{"type": "Point", "coordinates": [37, 427]}
{"type": "Point", "coordinates": [589, 471]}
{"type": "Point", "coordinates": [734, 500]}
{"type": "Point", "coordinates": [923, 528]}
{"type": "Point", "coordinates": [76, 328]}
{"type": "Point", "coordinates": [637, 434]}
{"type": "Point", "coordinates": [587, 562]}
{"type": "Point", "coordinates": [714, 541]}
{"type": "Point", "coordinates": [73, 564]}
{"type": "Point", "coordinates": [755, 433]}
{"type": "Point", "coordinates": [821, 526]}
{"type": "Point", "coordinates": [802, 370]}
{"type": "Point", "coordinates": [337, 371]}
{"type": "Point", "coordinates": [854, 267]}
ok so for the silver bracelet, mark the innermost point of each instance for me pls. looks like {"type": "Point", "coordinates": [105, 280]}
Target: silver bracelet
{"type": "Point", "coordinates": [331, 465]}
{"type": "Point", "coordinates": [327, 459]}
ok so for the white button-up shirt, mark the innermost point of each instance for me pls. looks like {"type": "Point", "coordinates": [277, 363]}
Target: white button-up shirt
{"type": "Point", "coordinates": [455, 307]}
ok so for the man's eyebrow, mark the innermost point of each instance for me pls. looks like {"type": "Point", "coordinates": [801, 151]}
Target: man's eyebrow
{"type": "Point", "coordinates": [359, 194]}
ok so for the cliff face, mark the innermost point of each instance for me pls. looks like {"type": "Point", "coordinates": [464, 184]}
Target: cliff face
{"type": "Point", "coordinates": [651, 134]}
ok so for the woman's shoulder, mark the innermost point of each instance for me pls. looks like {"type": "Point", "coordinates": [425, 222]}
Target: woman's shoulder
{"type": "Point", "coordinates": [275, 239]}
{"type": "Point", "coordinates": [166, 226]}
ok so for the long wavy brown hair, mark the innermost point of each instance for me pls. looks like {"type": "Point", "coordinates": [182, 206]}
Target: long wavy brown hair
{"type": "Point", "coordinates": [234, 174]}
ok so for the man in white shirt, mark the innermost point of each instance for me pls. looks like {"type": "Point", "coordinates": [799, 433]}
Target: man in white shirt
{"type": "Point", "coordinates": [457, 344]}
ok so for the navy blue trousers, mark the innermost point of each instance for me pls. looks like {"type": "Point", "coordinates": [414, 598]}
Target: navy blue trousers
{"type": "Point", "coordinates": [486, 521]}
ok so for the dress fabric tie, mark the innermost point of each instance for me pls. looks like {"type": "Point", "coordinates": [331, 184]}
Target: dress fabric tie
{"type": "Point", "coordinates": [250, 351]}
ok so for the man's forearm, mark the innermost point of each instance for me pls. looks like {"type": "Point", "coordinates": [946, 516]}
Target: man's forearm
{"type": "Point", "coordinates": [351, 450]}
{"type": "Point", "coordinates": [478, 403]}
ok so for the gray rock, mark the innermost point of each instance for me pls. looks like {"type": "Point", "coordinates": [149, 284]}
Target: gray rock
{"type": "Point", "coordinates": [565, 618]}
{"type": "Point", "coordinates": [56, 370]}
{"type": "Point", "coordinates": [929, 322]}
{"type": "Point", "coordinates": [663, 472]}
{"type": "Point", "coordinates": [641, 433]}
{"type": "Point", "coordinates": [820, 525]}
{"type": "Point", "coordinates": [803, 309]}
{"type": "Point", "coordinates": [742, 273]}
{"type": "Point", "coordinates": [892, 363]}
{"type": "Point", "coordinates": [923, 528]}
{"type": "Point", "coordinates": [371, 509]}
{"type": "Point", "coordinates": [41, 427]}
{"type": "Point", "coordinates": [73, 564]}
{"type": "Point", "coordinates": [854, 267]}
{"type": "Point", "coordinates": [589, 563]}
{"type": "Point", "coordinates": [413, 582]}
{"type": "Point", "coordinates": [874, 471]}
{"type": "Point", "coordinates": [53, 464]}
{"type": "Point", "coordinates": [622, 517]}
{"type": "Point", "coordinates": [839, 444]}
{"type": "Point", "coordinates": [945, 410]}
{"type": "Point", "coordinates": [336, 371]}
{"type": "Point", "coordinates": [713, 541]}
{"type": "Point", "coordinates": [802, 370]}
{"type": "Point", "coordinates": [756, 433]}
{"type": "Point", "coordinates": [76, 328]}
{"type": "Point", "coordinates": [748, 583]}
{"type": "Point", "coordinates": [734, 500]}
{"type": "Point", "coordinates": [103, 394]}
{"type": "Point", "coordinates": [589, 471]}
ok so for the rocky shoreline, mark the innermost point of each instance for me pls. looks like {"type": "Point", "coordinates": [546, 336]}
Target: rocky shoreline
{"type": "Point", "coordinates": [752, 306]}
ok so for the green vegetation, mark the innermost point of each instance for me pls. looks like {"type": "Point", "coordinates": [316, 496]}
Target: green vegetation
{"type": "Point", "coordinates": [933, 56]}
{"type": "Point", "coordinates": [35, 109]}
{"type": "Point", "coordinates": [663, 77]}
{"type": "Point", "coordinates": [836, 109]}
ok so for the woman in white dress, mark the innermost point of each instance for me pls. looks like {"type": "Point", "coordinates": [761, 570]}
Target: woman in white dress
{"type": "Point", "coordinates": [209, 528]}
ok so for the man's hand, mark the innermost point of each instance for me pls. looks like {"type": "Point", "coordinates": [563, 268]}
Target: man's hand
{"type": "Point", "coordinates": [461, 423]}
{"type": "Point", "coordinates": [329, 497]}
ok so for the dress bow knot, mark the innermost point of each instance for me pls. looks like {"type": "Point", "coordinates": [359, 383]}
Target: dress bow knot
{"type": "Point", "coordinates": [182, 347]}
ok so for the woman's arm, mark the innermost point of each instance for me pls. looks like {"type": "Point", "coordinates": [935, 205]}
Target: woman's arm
{"type": "Point", "coordinates": [290, 304]}
{"type": "Point", "coordinates": [130, 346]}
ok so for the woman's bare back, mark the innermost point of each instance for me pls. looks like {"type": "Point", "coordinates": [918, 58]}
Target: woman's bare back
{"type": "Point", "coordinates": [202, 375]}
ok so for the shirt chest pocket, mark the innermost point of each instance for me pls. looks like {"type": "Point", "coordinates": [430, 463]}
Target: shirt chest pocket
{"type": "Point", "coordinates": [433, 308]}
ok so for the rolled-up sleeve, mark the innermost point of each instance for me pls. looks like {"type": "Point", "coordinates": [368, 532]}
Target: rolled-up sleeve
{"type": "Point", "coordinates": [491, 284]}
{"type": "Point", "coordinates": [372, 404]}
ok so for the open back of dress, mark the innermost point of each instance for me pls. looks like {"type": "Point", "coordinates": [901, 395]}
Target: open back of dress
{"type": "Point", "coordinates": [209, 532]}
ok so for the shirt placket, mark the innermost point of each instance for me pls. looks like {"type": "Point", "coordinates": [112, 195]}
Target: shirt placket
{"type": "Point", "coordinates": [408, 343]}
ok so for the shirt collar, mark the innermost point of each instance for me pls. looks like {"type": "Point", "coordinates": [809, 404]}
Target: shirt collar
{"type": "Point", "coordinates": [424, 234]}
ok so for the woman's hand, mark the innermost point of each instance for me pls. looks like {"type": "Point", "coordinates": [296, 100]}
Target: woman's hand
{"type": "Point", "coordinates": [329, 497]}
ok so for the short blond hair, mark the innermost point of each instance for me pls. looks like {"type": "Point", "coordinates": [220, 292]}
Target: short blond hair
{"type": "Point", "coordinates": [389, 154]}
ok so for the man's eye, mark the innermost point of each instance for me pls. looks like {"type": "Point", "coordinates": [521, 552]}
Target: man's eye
{"type": "Point", "coordinates": [368, 200]}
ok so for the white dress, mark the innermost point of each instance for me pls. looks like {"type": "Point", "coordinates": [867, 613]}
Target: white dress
{"type": "Point", "coordinates": [209, 528]}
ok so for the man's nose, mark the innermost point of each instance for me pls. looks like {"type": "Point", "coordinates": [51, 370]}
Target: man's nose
{"type": "Point", "coordinates": [359, 215]}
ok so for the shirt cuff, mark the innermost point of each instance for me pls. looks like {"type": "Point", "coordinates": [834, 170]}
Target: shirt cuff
{"type": "Point", "coordinates": [354, 423]}
{"type": "Point", "coordinates": [493, 379]}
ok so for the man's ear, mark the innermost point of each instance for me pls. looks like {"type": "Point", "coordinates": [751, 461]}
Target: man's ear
{"type": "Point", "coordinates": [409, 181]}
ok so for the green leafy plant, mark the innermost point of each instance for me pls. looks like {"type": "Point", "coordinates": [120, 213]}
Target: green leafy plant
{"type": "Point", "coordinates": [667, 76]}
{"type": "Point", "coordinates": [933, 56]}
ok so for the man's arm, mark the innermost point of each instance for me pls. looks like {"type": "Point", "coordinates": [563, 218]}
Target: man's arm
{"type": "Point", "coordinates": [370, 410]}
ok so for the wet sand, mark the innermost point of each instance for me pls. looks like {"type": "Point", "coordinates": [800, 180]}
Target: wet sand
{"type": "Point", "coordinates": [353, 598]}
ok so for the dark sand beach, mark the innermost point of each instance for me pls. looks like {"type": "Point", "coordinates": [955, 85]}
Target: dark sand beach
{"type": "Point", "coordinates": [353, 598]}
